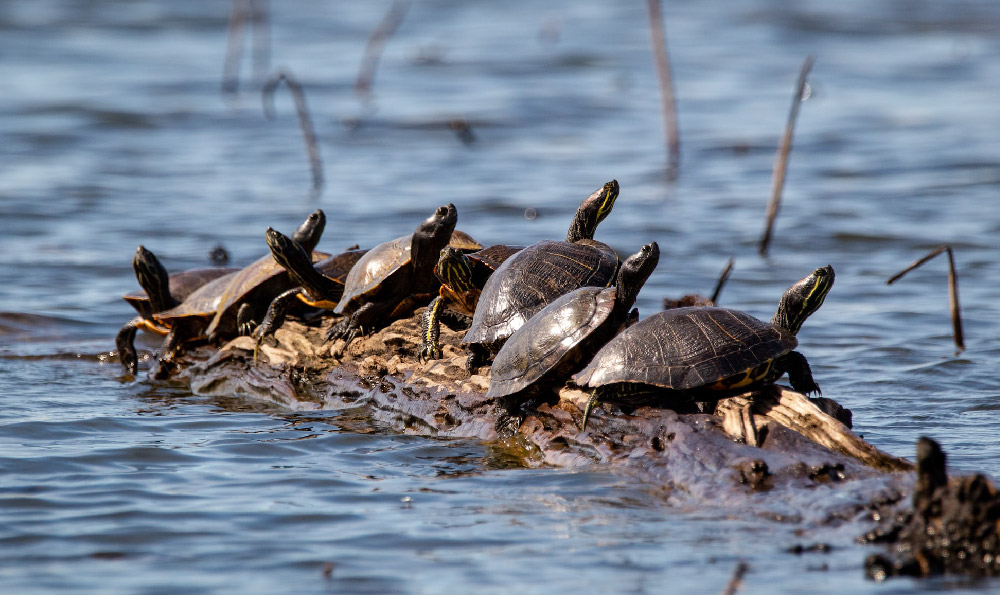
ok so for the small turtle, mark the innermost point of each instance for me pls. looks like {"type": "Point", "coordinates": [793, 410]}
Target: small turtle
{"type": "Point", "coordinates": [554, 343]}
{"type": "Point", "coordinates": [462, 279]}
{"type": "Point", "coordinates": [319, 284]}
{"type": "Point", "coordinates": [223, 307]}
{"type": "Point", "coordinates": [394, 278]}
{"type": "Point", "coordinates": [159, 292]}
{"type": "Point", "coordinates": [700, 354]}
{"type": "Point", "coordinates": [534, 277]}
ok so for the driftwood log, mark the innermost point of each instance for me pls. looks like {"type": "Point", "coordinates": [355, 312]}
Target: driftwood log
{"type": "Point", "coordinates": [774, 453]}
{"type": "Point", "coordinates": [766, 452]}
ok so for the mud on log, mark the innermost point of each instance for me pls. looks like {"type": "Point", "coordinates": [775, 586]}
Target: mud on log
{"type": "Point", "coordinates": [766, 455]}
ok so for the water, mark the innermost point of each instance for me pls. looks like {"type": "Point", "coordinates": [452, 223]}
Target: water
{"type": "Point", "coordinates": [115, 134]}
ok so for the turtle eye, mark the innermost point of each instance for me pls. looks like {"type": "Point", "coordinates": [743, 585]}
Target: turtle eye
{"type": "Point", "coordinates": [442, 211]}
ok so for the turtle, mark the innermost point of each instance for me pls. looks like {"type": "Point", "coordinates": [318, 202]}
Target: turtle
{"type": "Point", "coordinates": [319, 284]}
{"type": "Point", "coordinates": [462, 278]}
{"type": "Point", "coordinates": [160, 292]}
{"type": "Point", "coordinates": [557, 341]}
{"type": "Point", "coordinates": [223, 307]}
{"type": "Point", "coordinates": [689, 354]}
{"type": "Point", "coordinates": [534, 277]}
{"type": "Point", "coordinates": [393, 278]}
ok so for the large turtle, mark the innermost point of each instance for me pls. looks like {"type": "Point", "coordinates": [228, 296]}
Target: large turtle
{"type": "Point", "coordinates": [705, 353]}
{"type": "Point", "coordinates": [534, 277]}
{"type": "Point", "coordinates": [462, 278]}
{"type": "Point", "coordinates": [223, 307]}
{"type": "Point", "coordinates": [159, 292]}
{"type": "Point", "coordinates": [393, 278]}
{"type": "Point", "coordinates": [554, 343]}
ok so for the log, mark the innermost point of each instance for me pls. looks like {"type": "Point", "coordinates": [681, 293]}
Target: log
{"type": "Point", "coordinates": [765, 453]}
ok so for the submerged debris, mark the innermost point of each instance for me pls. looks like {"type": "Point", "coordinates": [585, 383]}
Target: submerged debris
{"type": "Point", "coordinates": [953, 527]}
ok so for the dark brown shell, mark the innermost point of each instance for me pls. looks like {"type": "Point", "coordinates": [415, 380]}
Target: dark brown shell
{"type": "Point", "coordinates": [182, 285]}
{"type": "Point", "coordinates": [550, 339]}
{"type": "Point", "coordinates": [686, 348]}
{"type": "Point", "coordinates": [533, 278]}
{"type": "Point", "coordinates": [372, 269]}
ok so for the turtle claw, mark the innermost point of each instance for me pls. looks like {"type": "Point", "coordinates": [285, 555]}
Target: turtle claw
{"type": "Point", "coordinates": [428, 352]}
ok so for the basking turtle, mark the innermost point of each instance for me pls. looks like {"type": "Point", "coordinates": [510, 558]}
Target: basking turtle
{"type": "Point", "coordinates": [699, 354]}
{"type": "Point", "coordinates": [159, 292]}
{"type": "Point", "coordinates": [554, 343]}
{"type": "Point", "coordinates": [220, 308]}
{"type": "Point", "coordinates": [320, 284]}
{"type": "Point", "coordinates": [534, 277]}
{"type": "Point", "coordinates": [462, 278]}
{"type": "Point", "coordinates": [394, 277]}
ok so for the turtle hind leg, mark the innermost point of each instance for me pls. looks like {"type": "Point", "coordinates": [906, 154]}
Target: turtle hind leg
{"type": "Point", "coordinates": [245, 323]}
{"type": "Point", "coordinates": [799, 374]}
{"type": "Point", "coordinates": [592, 402]}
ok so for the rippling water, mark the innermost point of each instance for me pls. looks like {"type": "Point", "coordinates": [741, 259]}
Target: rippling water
{"type": "Point", "coordinates": [115, 134]}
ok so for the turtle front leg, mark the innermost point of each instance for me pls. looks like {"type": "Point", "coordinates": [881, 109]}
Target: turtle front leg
{"type": "Point", "coordinates": [245, 322]}
{"type": "Point", "coordinates": [799, 374]}
{"type": "Point", "coordinates": [479, 355]}
{"type": "Point", "coordinates": [430, 330]}
{"type": "Point", "coordinates": [368, 317]}
{"type": "Point", "coordinates": [125, 343]}
{"type": "Point", "coordinates": [274, 318]}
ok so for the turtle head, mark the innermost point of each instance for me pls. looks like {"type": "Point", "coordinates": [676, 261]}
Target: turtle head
{"type": "Point", "coordinates": [308, 234]}
{"type": "Point", "coordinates": [153, 279]}
{"type": "Point", "coordinates": [633, 274]}
{"type": "Point", "coordinates": [454, 269]}
{"type": "Point", "coordinates": [802, 299]}
{"type": "Point", "coordinates": [431, 236]}
{"type": "Point", "coordinates": [592, 211]}
{"type": "Point", "coordinates": [288, 253]}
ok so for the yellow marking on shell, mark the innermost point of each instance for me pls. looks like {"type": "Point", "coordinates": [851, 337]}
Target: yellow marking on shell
{"type": "Point", "coordinates": [326, 304]}
{"type": "Point", "coordinates": [745, 378]}
{"type": "Point", "coordinates": [153, 327]}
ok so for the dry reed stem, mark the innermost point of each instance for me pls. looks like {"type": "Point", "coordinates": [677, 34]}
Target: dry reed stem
{"type": "Point", "coordinates": [258, 13]}
{"type": "Point", "coordinates": [669, 105]}
{"type": "Point", "coordinates": [781, 158]}
{"type": "Point", "coordinates": [956, 314]}
{"type": "Point", "coordinates": [736, 581]}
{"type": "Point", "coordinates": [234, 47]}
{"type": "Point", "coordinates": [305, 122]}
{"type": "Point", "coordinates": [376, 43]}
{"type": "Point", "coordinates": [723, 277]}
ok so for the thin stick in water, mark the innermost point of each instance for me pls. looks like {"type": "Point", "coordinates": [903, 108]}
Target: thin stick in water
{"type": "Point", "coordinates": [723, 277]}
{"type": "Point", "coordinates": [781, 158]}
{"type": "Point", "coordinates": [376, 43]}
{"type": "Point", "coordinates": [736, 581]}
{"type": "Point", "coordinates": [669, 106]}
{"type": "Point", "coordinates": [234, 47]}
{"type": "Point", "coordinates": [305, 122]}
{"type": "Point", "coordinates": [260, 16]}
{"type": "Point", "coordinates": [956, 314]}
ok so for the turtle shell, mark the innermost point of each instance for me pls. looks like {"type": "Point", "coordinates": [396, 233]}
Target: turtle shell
{"type": "Point", "coordinates": [260, 282]}
{"type": "Point", "coordinates": [464, 242]}
{"type": "Point", "coordinates": [182, 285]}
{"type": "Point", "coordinates": [552, 340]}
{"type": "Point", "coordinates": [203, 301]}
{"type": "Point", "coordinates": [371, 270]}
{"type": "Point", "coordinates": [534, 277]}
{"type": "Point", "coordinates": [690, 348]}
